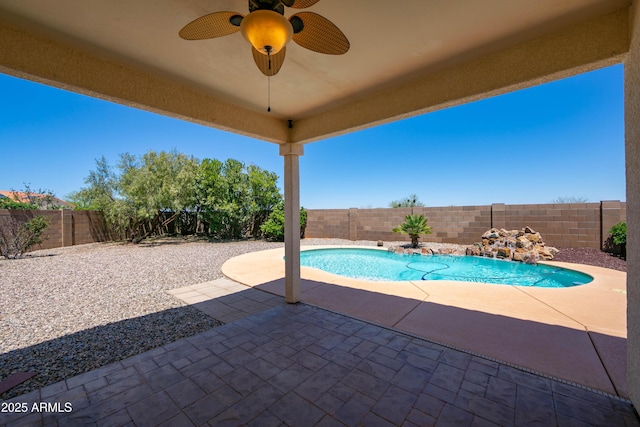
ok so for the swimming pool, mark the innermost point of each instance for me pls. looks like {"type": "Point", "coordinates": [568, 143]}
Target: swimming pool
{"type": "Point", "coordinates": [372, 264]}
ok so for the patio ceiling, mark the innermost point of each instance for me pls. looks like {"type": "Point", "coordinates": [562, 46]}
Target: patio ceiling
{"type": "Point", "coordinates": [406, 58]}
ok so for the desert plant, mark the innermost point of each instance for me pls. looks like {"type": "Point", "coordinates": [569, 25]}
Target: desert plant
{"type": "Point", "coordinates": [17, 237]}
{"type": "Point", "coordinates": [414, 226]}
{"type": "Point", "coordinates": [619, 236]}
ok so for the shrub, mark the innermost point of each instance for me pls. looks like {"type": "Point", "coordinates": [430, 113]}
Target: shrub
{"type": "Point", "coordinates": [619, 233]}
{"type": "Point", "coordinates": [273, 227]}
{"type": "Point", "coordinates": [619, 236]}
{"type": "Point", "coordinates": [414, 226]}
{"type": "Point", "coordinates": [17, 237]}
{"type": "Point", "coordinates": [7, 203]}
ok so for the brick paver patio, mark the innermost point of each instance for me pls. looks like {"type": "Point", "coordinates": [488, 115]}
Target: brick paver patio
{"type": "Point", "coordinates": [298, 365]}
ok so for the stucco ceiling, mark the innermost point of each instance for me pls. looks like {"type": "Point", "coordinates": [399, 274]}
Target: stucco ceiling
{"type": "Point", "coordinates": [399, 50]}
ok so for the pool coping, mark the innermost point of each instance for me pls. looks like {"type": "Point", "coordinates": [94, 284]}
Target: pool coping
{"type": "Point", "coordinates": [576, 333]}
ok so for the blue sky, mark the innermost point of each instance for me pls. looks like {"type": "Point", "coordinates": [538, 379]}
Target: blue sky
{"type": "Point", "coordinates": [564, 138]}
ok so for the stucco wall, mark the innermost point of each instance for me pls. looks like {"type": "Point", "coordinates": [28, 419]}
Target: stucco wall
{"type": "Point", "coordinates": [579, 225]}
{"type": "Point", "coordinates": [632, 156]}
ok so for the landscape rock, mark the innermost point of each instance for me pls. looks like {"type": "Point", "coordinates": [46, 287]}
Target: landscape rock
{"type": "Point", "coordinates": [525, 245]}
{"type": "Point", "coordinates": [431, 249]}
{"type": "Point", "coordinates": [491, 234]}
{"type": "Point", "coordinates": [473, 250]}
{"type": "Point", "coordinates": [518, 255]}
{"type": "Point", "coordinates": [504, 253]}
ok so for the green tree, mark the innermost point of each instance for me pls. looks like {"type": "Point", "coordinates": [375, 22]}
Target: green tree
{"type": "Point", "coordinates": [150, 192]}
{"type": "Point", "coordinates": [265, 195]}
{"type": "Point", "coordinates": [101, 194]}
{"type": "Point", "coordinates": [408, 202]}
{"type": "Point", "coordinates": [158, 182]}
{"type": "Point", "coordinates": [136, 201]}
{"type": "Point", "coordinates": [210, 188]}
{"type": "Point", "coordinates": [100, 191]}
{"type": "Point", "coordinates": [414, 226]}
{"type": "Point", "coordinates": [155, 184]}
{"type": "Point", "coordinates": [236, 204]}
{"type": "Point", "coordinates": [273, 227]}
{"type": "Point", "coordinates": [233, 199]}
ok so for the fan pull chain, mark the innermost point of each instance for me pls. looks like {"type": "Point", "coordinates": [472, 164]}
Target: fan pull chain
{"type": "Point", "coordinates": [269, 82]}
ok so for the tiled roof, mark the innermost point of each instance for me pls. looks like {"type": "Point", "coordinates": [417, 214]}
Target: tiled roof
{"type": "Point", "coordinates": [20, 196]}
{"type": "Point", "coordinates": [23, 197]}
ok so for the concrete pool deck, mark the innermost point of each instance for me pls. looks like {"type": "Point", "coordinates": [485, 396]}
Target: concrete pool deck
{"type": "Point", "coordinates": [577, 334]}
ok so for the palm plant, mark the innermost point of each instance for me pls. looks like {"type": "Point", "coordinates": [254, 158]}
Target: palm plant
{"type": "Point", "coordinates": [414, 226]}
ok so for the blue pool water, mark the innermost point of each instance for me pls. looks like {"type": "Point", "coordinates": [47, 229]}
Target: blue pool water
{"type": "Point", "coordinates": [371, 264]}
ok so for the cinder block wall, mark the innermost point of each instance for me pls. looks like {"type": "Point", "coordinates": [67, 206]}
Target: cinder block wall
{"type": "Point", "coordinates": [328, 223]}
{"type": "Point", "coordinates": [575, 226]}
{"type": "Point", "coordinates": [563, 225]}
{"type": "Point", "coordinates": [66, 227]}
{"type": "Point", "coordinates": [449, 225]}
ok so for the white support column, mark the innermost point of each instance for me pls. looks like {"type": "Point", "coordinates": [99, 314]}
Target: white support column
{"type": "Point", "coordinates": [632, 158]}
{"type": "Point", "coordinates": [291, 154]}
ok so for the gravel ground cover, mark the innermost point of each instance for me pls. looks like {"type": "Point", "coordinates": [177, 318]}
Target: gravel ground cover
{"type": "Point", "coordinates": [70, 310]}
{"type": "Point", "coordinates": [593, 257]}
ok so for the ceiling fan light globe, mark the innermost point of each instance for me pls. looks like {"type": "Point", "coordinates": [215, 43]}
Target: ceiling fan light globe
{"type": "Point", "coordinates": [267, 31]}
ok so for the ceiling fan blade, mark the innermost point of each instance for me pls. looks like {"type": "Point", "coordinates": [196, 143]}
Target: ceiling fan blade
{"type": "Point", "coordinates": [262, 61]}
{"type": "Point", "coordinates": [318, 34]}
{"type": "Point", "coordinates": [300, 4]}
{"type": "Point", "coordinates": [209, 26]}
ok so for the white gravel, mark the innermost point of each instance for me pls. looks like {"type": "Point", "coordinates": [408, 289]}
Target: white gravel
{"type": "Point", "coordinates": [55, 292]}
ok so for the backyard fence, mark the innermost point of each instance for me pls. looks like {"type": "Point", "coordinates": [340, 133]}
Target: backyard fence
{"type": "Point", "coordinates": [66, 227]}
{"type": "Point", "coordinates": [568, 225]}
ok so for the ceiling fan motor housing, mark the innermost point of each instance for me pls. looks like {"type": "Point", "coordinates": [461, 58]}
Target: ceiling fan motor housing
{"type": "Point", "coordinates": [274, 5]}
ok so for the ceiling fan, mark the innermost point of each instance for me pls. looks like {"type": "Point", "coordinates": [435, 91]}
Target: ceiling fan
{"type": "Point", "coordinates": [268, 31]}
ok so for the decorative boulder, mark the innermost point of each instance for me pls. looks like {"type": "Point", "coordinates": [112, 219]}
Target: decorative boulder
{"type": "Point", "coordinates": [504, 253]}
{"type": "Point", "coordinates": [519, 254]}
{"type": "Point", "coordinates": [525, 245]}
{"type": "Point", "coordinates": [494, 233]}
{"type": "Point", "coordinates": [473, 250]}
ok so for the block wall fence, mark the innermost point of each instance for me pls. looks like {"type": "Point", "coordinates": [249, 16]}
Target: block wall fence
{"type": "Point", "coordinates": [568, 225]}
{"type": "Point", "coordinates": [571, 225]}
{"type": "Point", "coordinates": [66, 227]}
